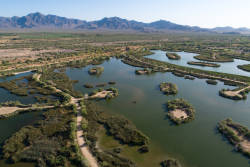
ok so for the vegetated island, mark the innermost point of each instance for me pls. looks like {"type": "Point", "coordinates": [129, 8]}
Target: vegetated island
{"type": "Point", "coordinates": [87, 85]}
{"type": "Point", "coordinates": [214, 58]}
{"type": "Point", "coordinates": [170, 163]}
{"type": "Point", "coordinates": [228, 79]}
{"type": "Point", "coordinates": [211, 82]}
{"type": "Point", "coordinates": [15, 87]}
{"type": "Point", "coordinates": [245, 67]}
{"type": "Point", "coordinates": [96, 70]}
{"type": "Point", "coordinates": [103, 93]}
{"type": "Point", "coordinates": [173, 56]}
{"type": "Point", "coordinates": [236, 134]}
{"type": "Point", "coordinates": [168, 88]}
{"type": "Point", "coordinates": [144, 71]}
{"type": "Point", "coordinates": [189, 77]}
{"type": "Point", "coordinates": [111, 82]}
{"type": "Point", "coordinates": [117, 127]}
{"type": "Point", "coordinates": [180, 111]}
{"type": "Point", "coordinates": [100, 85]}
{"type": "Point", "coordinates": [203, 64]}
{"type": "Point", "coordinates": [236, 94]}
{"type": "Point", "coordinates": [180, 71]}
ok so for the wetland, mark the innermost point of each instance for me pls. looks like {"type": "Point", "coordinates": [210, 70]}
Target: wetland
{"type": "Point", "coordinates": [139, 106]}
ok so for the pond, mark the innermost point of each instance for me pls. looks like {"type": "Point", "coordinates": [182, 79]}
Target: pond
{"type": "Point", "coordinates": [12, 125]}
{"type": "Point", "coordinates": [195, 144]}
{"type": "Point", "coordinates": [226, 67]}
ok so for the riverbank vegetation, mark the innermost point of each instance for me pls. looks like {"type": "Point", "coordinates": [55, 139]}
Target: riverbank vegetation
{"type": "Point", "coordinates": [245, 67]}
{"type": "Point", "coordinates": [181, 71]}
{"type": "Point", "coordinates": [203, 64]}
{"type": "Point", "coordinates": [236, 134]}
{"type": "Point", "coordinates": [49, 142]}
{"type": "Point", "coordinates": [168, 88]}
{"type": "Point", "coordinates": [30, 86]}
{"type": "Point", "coordinates": [180, 111]}
{"type": "Point", "coordinates": [15, 88]}
{"type": "Point", "coordinates": [119, 128]}
{"type": "Point", "coordinates": [45, 140]}
{"type": "Point", "coordinates": [60, 80]}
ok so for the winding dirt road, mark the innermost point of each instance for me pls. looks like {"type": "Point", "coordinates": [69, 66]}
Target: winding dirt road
{"type": "Point", "coordinates": [79, 132]}
{"type": "Point", "coordinates": [82, 144]}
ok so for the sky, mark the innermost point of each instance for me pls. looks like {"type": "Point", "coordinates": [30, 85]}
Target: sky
{"type": "Point", "coordinates": [203, 13]}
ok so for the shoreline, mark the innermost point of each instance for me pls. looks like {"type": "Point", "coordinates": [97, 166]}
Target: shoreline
{"type": "Point", "coordinates": [22, 72]}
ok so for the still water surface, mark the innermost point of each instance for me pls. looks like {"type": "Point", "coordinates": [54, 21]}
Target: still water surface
{"type": "Point", "coordinates": [227, 67]}
{"type": "Point", "coordinates": [196, 144]}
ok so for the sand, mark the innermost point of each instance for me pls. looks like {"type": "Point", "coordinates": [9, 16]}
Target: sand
{"type": "Point", "coordinates": [101, 95]}
{"type": "Point", "coordinates": [179, 114]}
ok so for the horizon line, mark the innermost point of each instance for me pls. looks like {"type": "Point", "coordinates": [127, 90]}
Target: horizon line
{"type": "Point", "coordinates": [92, 20]}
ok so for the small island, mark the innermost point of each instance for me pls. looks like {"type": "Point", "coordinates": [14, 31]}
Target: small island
{"type": "Point", "coordinates": [189, 77]}
{"type": "Point", "coordinates": [213, 58]}
{"type": "Point", "coordinates": [87, 85]}
{"type": "Point", "coordinates": [180, 111]}
{"type": "Point", "coordinates": [245, 67]}
{"type": "Point", "coordinates": [100, 85]}
{"type": "Point", "coordinates": [104, 93]}
{"type": "Point", "coordinates": [236, 94]}
{"type": "Point", "coordinates": [236, 134]}
{"type": "Point", "coordinates": [170, 163]}
{"type": "Point", "coordinates": [173, 56]}
{"type": "Point", "coordinates": [96, 70]}
{"type": "Point", "coordinates": [211, 82]}
{"type": "Point", "coordinates": [203, 64]}
{"type": "Point", "coordinates": [111, 82]}
{"type": "Point", "coordinates": [168, 88]}
{"type": "Point", "coordinates": [144, 71]}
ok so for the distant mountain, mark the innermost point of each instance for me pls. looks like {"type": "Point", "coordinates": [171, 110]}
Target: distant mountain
{"type": "Point", "coordinates": [166, 25]}
{"type": "Point", "coordinates": [40, 22]}
{"type": "Point", "coordinates": [231, 30]}
{"type": "Point", "coordinates": [113, 23]}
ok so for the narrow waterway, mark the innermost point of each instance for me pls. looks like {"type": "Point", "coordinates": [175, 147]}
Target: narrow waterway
{"type": "Point", "coordinates": [227, 67]}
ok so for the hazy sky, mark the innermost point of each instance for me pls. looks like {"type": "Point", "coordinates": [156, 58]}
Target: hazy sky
{"type": "Point", "coordinates": [203, 13]}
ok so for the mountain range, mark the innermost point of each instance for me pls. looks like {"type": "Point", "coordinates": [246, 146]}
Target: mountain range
{"type": "Point", "coordinates": [39, 21]}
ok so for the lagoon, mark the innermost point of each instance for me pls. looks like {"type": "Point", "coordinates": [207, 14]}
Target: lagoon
{"type": "Point", "coordinates": [195, 144]}
{"type": "Point", "coordinates": [225, 67]}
